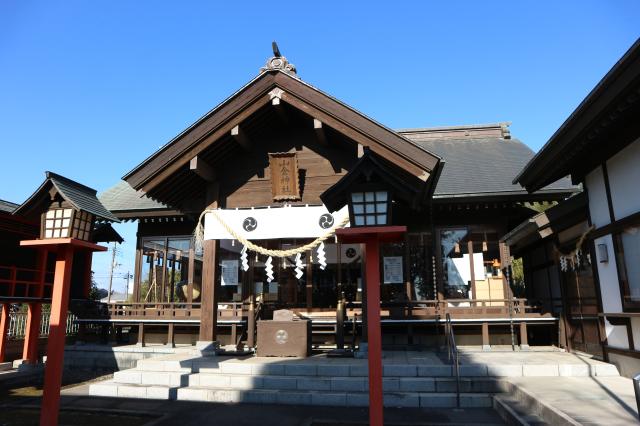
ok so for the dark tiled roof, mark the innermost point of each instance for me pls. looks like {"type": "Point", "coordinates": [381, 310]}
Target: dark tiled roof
{"type": "Point", "coordinates": [7, 206]}
{"type": "Point", "coordinates": [80, 196]}
{"type": "Point", "coordinates": [122, 197]}
{"type": "Point", "coordinates": [477, 166]}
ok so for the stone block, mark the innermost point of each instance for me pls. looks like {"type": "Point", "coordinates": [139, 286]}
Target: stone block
{"type": "Point", "coordinates": [476, 401]}
{"type": "Point", "coordinates": [225, 395]}
{"type": "Point", "coordinates": [193, 394]}
{"type": "Point", "coordinates": [279, 383]}
{"type": "Point", "coordinates": [358, 370]}
{"type": "Point", "coordinates": [235, 368]}
{"type": "Point", "coordinates": [155, 378]}
{"type": "Point", "coordinates": [160, 392]}
{"type": "Point", "coordinates": [434, 400]}
{"type": "Point", "coordinates": [358, 399]}
{"type": "Point", "coordinates": [293, 398]}
{"type": "Point", "coordinates": [606, 370]}
{"type": "Point", "coordinates": [504, 370]}
{"type": "Point", "coordinates": [401, 400]}
{"type": "Point", "coordinates": [329, 399]}
{"type": "Point", "coordinates": [268, 369]}
{"type": "Point", "coordinates": [131, 391]}
{"type": "Point", "coordinates": [473, 370]}
{"type": "Point", "coordinates": [348, 384]}
{"type": "Point", "coordinates": [399, 370]}
{"type": "Point", "coordinates": [573, 370]}
{"type": "Point", "coordinates": [540, 370]}
{"type": "Point", "coordinates": [259, 397]}
{"type": "Point", "coordinates": [300, 370]}
{"type": "Point", "coordinates": [103, 389]}
{"type": "Point", "coordinates": [214, 380]}
{"type": "Point", "coordinates": [333, 370]}
{"type": "Point", "coordinates": [434, 370]}
{"type": "Point", "coordinates": [389, 384]}
{"type": "Point", "coordinates": [417, 384]}
{"type": "Point", "coordinates": [313, 383]}
{"type": "Point", "coordinates": [128, 376]}
{"type": "Point", "coordinates": [245, 382]}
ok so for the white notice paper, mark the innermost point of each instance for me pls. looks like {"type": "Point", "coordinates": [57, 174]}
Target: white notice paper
{"type": "Point", "coordinates": [229, 272]}
{"type": "Point", "coordinates": [392, 269]}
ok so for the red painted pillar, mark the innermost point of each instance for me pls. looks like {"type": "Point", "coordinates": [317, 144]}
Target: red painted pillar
{"type": "Point", "coordinates": [32, 334]}
{"type": "Point", "coordinates": [4, 329]}
{"type": "Point", "coordinates": [374, 334]}
{"type": "Point", "coordinates": [57, 331]}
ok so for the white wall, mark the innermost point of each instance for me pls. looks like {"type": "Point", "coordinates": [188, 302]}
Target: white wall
{"type": "Point", "coordinates": [624, 180]}
{"type": "Point", "coordinates": [608, 276]}
{"type": "Point", "coordinates": [598, 206]}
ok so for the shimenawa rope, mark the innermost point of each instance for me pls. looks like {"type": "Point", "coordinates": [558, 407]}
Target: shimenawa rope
{"type": "Point", "coordinates": [198, 235]}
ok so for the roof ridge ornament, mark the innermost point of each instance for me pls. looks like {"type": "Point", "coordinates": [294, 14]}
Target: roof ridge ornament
{"type": "Point", "coordinates": [279, 63]}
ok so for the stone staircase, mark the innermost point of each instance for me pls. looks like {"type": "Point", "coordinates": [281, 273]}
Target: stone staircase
{"type": "Point", "coordinates": [328, 382]}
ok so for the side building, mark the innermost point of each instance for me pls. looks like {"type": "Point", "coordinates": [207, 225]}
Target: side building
{"type": "Point", "coordinates": [599, 146]}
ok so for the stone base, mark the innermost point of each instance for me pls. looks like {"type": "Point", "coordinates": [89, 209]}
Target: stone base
{"type": "Point", "coordinates": [362, 352]}
{"type": "Point", "coordinates": [486, 348]}
{"type": "Point", "coordinates": [524, 347]}
{"type": "Point", "coordinates": [206, 348]}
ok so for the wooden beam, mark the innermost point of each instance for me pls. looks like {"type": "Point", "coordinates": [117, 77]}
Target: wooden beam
{"type": "Point", "coordinates": [360, 150]}
{"type": "Point", "coordinates": [200, 167]}
{"type": "Point", "coordinates": [241, 137]}
{"type": "Point", "coordinates": [321, 137]}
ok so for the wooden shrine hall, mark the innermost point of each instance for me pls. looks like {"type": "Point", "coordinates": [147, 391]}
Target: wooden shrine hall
{"type": "Point", "coordinates": [223, 208]}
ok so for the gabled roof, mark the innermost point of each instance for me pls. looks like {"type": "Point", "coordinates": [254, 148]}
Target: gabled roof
{"type": "Point", "coordinates": [293, 91]}
{"type": "Point", "coordinates": [7, 206]}
{"type": "Point", "coordinates": [480, 160]}
{"type": "Point", "coordinates": [604, 123]}
{"type": "Point", "coordinates": [122, 197]}
{"type": "Point", "coordinates": [79, 196]}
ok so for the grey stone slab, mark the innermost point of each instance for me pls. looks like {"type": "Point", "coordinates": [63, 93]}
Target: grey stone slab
{"type": "Point", "coordinates": [417, 384]}
{"type": "Point", "coordinates": [349, 384]}
{"type": "Point", "coordinates": [293, 398]}
{"type": "Point", "coordinates": [280, 383]}
{"type": "Point", "coordinates": [606, 370]}
{"type": "Point", "coordinates": [103, 389]}
{"type": "Point", "coordinates": [160, 392]}
{"type": "Point", "coordinates": [389, 384]}
{"type": "Point", "coordinates": [313, 383]}
{"type": "Point", "coordinates": [540, 370]}
{"type": "Point", "coordinates": [155, 378]}
{"type": "Point", "coordinates": [358, 370]}
{"type": "Point", "coordinates": [235, 368]}
{"type": "Point", "coordinates": [193, 394]}
{"type": "Point", "coordinates": [333, 370]}
{"type": "Point", "coordinates": [358, 399]}
{"type": "Point", "coordinates": [245, 382]}
{"type": "Point", "coordinates": [300, 370]}
{"type": "Point", "coordinates": [131, 391]}
{"type": "Point", "coordinates": [434, 370]}
{"type": "Point", "coordinates": [213, 380]}
{"type": "Point", "coordinates": [504, 370]}
{"type": "Point", "coordinates": [476, 401]}
{"type": "Point", "coordinates": [400, 370]}
{"type": "Point", "coordinates": [259, 397]}
{"type": "Point", "coordinates": [268, 369]}
{"type": "Point", "coordinates": [329, 399]}
{"type": "Point", "coordinates": [473, 370]}
{"type": "Point", "coordinates": [128, 376]}
{"type": "Point", "coordinates": [574, 370]}
{"type": "Point", "coordinates": [401, 400]}
{"type": "Point", "coordinates": [434, 400]}
{"type": "Point", "coordinates": [225, 395]}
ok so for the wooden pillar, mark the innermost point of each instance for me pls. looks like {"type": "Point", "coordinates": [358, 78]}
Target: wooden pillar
{"type": "Point", "coordinates": [138, 271]}
{"type": "Point", "coordinates": [472, 269]}
{"type": "Point", "coordinates": [32, 333]}
{"type": "Point", "coordinates": [4, 329]}
{"type": "Point", "coordinates": [171, 336]}
{"type": "Point", "coordinates": [56, 340]}
{"type": "Point", "coordinates": [374, 332]}
{"type": "Point", "coordinates": [486, 343]}
{"type": "Point", "coordinates": [141, 334]}
{"type": "Point", "coordinates": [209, 305]}
{"type": "Point", "coordinates": [524, 340]}
{"type": "Point", "coordinates": [191, 274]}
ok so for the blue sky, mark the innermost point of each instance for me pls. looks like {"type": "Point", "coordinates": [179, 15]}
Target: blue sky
{"type": "Point", "coordinates": [90, 89]}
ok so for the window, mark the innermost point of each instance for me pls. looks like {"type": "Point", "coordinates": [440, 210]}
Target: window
{"type": "Point", "coordinates": [627, 246]}
{"type": "Point", "coordinates": [370, 208]}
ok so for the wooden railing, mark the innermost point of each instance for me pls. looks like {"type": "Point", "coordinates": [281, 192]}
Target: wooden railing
{"type": "Point", "coordinates": [171, 311]}
{"type": "Point", "coordinates": [18, 283]}
{"type": "Point", "coordinates": [18, 325]}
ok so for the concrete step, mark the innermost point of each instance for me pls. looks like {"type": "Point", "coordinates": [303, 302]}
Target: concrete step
{"type": "Point", "coordinates": [331, 398]}
{"type": "Point", "coordinates": [515, 412]}
{"type": "Point", "coordinates": [144, 377]}
{"type": "Point", "coordinates": [353, 384]}
{"type": "Point", "coordinates": [533, 406]}
{"type": "Point", "coordinates": [126, 390]}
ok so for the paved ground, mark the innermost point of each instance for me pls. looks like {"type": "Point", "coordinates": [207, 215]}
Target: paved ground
{"type": "Point", "coordinates": [185, 413]}
{"type": "Point", "coordinates": [588, 400]}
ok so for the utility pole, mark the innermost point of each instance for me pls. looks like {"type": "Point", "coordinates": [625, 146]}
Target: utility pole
{"type": "Point", "coordinates": [113, 265]}
{"type": "Point", "coordinates": [126, 293]}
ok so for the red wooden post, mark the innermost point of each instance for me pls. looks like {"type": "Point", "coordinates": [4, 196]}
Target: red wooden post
{"type": "Point", "coordinates": [4, 329]}
{"type": "Point", "coordinates": [374, 334]}
{"type": "Point", "coordinates": [32, 333]}
{"type": "Point", "coordinates": [57, 331]}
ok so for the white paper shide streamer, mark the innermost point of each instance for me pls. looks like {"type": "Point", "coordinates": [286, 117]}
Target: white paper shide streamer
{"type": "Point", "coordinates": [322, 259]}
{"type": "Point", "coordinates": [244, 259]}
{"type": "Point", "coordinates": [299, 266]}
{"type": "Point", "coordinates": [268, 269]}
